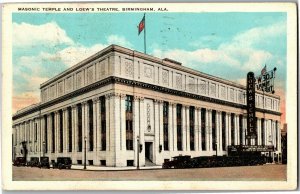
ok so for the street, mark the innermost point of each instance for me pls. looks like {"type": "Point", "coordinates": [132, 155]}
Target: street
{"type": "Point", "coordinates": [247, 173]}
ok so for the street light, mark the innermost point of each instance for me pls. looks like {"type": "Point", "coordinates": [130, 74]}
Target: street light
{"type": "Point", "coordinates": [138, 152]}
{"type": "Point", "coordinates": [84, 167]}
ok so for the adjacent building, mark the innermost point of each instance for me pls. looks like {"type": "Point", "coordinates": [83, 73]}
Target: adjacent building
{"type": "Point", "coordinates": [120, 104]}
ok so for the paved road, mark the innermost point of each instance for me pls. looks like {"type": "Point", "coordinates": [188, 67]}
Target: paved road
{"type": "Point", "coordinates": [265, 172]}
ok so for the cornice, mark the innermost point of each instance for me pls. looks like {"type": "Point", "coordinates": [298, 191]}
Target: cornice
{"type": "Point", "coordinates": [113, 80]}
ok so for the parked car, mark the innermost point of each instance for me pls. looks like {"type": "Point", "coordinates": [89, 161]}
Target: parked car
{"type": "Point", "coordinates": [34, 162]}
{"type": "Point", "coordinates": [178, 162]}
{"type": "Point", "coordinates": [62, 163]}
{"type": "Point", "coordinates": [44, 162]}
{"type": "Point", "coordinates": [20, 161]}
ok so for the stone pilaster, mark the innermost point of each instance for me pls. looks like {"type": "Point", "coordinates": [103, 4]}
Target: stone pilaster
{"type": "Point", "coordinates": [74, 129]}
{"type": "Point", "coordinates": [229, 128]}
{"type": "Point", "coordinates": [183, 127]}
{"type": "Point", "coordinates": [65, 130]}
{"type": "Point", "coordinates": [174, 121]}
{"type": "Point", "coordinates": [95, 127]}
{"type": "Point", "coordinates": [188, 145]}
{"type": "Point", "coordinates": [156, 131]}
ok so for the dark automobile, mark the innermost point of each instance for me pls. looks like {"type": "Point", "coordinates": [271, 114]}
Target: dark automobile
{"type": "Point", "coordinates": [178, 162]}
{"type": "Point", "coordinates": [44, 162]}
{"type": "Point", "coordinates": [34, 162]}
{"type": "Point", "coordinates": [20, 161]}
{"type": "Point", "coordinates": [63, 163]}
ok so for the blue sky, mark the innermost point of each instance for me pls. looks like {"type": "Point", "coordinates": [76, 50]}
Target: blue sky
{"type": "Point", "coordinates": [227, 45]}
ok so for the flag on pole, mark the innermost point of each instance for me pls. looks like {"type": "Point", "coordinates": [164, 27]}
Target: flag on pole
{"type": "Point", "coordinates": [264, 70]}
{"type": "Point", "coordinates": [142, 25]}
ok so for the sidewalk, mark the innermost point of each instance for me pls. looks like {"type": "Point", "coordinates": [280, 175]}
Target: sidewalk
{"type": "Point", "coordinates": [106, 168]}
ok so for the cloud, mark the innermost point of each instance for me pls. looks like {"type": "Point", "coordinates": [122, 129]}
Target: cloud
{"type": "Point", "coordinates": [24, 99]}
{"type": "Point", "coordinates": [119, 40]}
{"type": "Point", "coordinates": [49, 34]}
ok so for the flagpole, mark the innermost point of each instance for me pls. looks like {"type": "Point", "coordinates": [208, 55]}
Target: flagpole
{"type": "Point", "coordinates": [145, 51]}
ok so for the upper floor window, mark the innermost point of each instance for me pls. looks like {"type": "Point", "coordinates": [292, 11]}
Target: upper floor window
{"type": "Point", "coordinates": [128, 103]}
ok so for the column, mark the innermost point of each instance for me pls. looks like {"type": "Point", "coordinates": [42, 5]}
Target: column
{"type": "Point", "coordinates": [219, 130]}
{"type": "Point", "coordinates": [161, 124]}
{"type": "Point", "coordinates": [258, 125]}
{"type": "Point", "coordinates": [229, 128]}
{"type": "Point", "coordinates": [279, 137]}
{"type": "Point", "coordinates": [123, 123]}
{"type": "Point", "coordinates": [136, 127]}
{"type": "Point", "coordinates": [49, 131]}
{"type": "Point", "coordinates": [116, 133]}
{"type": "Point", "coordinates": [57, 129]}
{"type": "Point", "coordinates": [107, 116]}
{"type": "Point", "coordinates": [196, 130]}
{"type": "Point", "coordinates": [237, 129]}
{"type": "Point", "coordinates": [175, 126]}
{"type": "Point", "coordinates": [171, 126]}
{"type": "Point", "coordinates": [65, 131]}
{"type": "Point", "coordinates": [188, 147]}
{"type": "Point", "coordinates": [142, 128]}
{"type": "Point", "coordinates": [74, 129]}
{"type": "Point", "coordinates": [156, 131]}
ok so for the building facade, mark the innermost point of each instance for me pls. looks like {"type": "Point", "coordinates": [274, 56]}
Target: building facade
{"type": "Point", "coordinates": [122, 107]}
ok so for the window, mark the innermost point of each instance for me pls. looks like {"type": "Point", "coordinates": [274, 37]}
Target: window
{"type": "Point", "coordinates": [232, 128]}
{"type": "Point", "coordinates": [53, 133]}
{"type": "Point", "coordinates": [128, 103]}
{"type": "Point", "coordinates": [35, 132]}
{"type": "Point", "coordinates": [103, 123]}
{"type": "Point", "coordinates": [60, 114]}
{"type": "Point", "coordinates": [263, 132]}
{"type": "Point", "coordinates": [192, 128]}
{"type": "Point", "coordinates": [223, 131]}
{"type": "Point", "coordinates": [166, 125]}
{"type": "Point", "coordinates": [129, 126]}
{"type": "Point", "coordinates": [70, 128]}
{"type": "Point", "coordinates": [241, 129]}
{"type": "Point", "coordinates": [129, 162]}
{"type": "Point", "coordinates": [79, 120]}
{"type": "Point", "coordinates": [91, 126]}
{"type": "Point", "coordinates": [179, 127]}
{"type": "Point", "coordinates": [203, 129]}
{"type": "Point", "coordinates": [213, 130]}
{"type": "Point", "coordinates": [45, 134]}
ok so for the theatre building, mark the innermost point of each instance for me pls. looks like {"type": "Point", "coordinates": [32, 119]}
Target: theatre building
{"type": "Point", "coordinates": [119, 101]}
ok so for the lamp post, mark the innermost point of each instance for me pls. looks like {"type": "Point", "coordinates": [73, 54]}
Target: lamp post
{"type": "Point", "coordinates": [84, 167]}
{"type": "Point", "coordinates": [138, 152]}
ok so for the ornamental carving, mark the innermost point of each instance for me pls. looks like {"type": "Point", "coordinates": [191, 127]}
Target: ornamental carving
{"type": "Point", "coordinates": [102, 67]}
{"type": "Point", "coordinates": [69, 83]}
{"type": "Point", "coordinates": [212, 89]}
{"type": "Point", "coordinates": [148, 71]}
{"type": "Point", "coordinates": [241, 97]}
{"type": "Point", "coordinates": [79, 79]}
{"type": "Point", "coordinates": [222, 92]}
{"type": "Point", "coordinates": [165, 77]}
{"type": "Point", "coordinates": [202, 87]}
{"type": "Point", "coordinates": [148, 118]}
{"type": "Point", "coordinates": [90, 74]}
{"type": "Point", "coordinates": [231, 95]}
{"type": "Point", "coordinates": [129, 68]}
{"type": "Point", "coordinates": [268, 103]}
{"type": "Point", "coordinates": [179, 81]}
{"type": "Point", "coordinates": [191, 84]}
{"type": "Point", "coordinates": [60, 88]}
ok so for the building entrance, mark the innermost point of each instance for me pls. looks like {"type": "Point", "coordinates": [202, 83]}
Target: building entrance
{"type": "Point", "coordinates": [149, 151]}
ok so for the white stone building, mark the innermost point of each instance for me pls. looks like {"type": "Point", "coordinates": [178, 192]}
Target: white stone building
{"type": "Point", "coordinates": [117, 95]}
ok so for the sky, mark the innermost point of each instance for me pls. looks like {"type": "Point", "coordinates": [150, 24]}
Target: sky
{"type": "Point", "coordinates": [227, 45]}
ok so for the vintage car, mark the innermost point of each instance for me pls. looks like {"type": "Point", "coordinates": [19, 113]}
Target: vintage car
{"type": "Point", "coordinates": [44, 162]}
{"type": "Point", "coordinates": [62, 163]}
{"type": "Point", "coordinates": [178, 162]}
{"type": "Point", "coordinates": [20, 161]}
{"type": "Point", "coordinates": [34, 162]}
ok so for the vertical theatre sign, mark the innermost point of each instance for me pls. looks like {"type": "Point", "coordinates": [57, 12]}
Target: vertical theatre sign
{"type": "Point", "coordinates": [251, 125]}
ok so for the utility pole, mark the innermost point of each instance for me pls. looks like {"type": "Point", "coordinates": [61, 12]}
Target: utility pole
{"type": "Point", "coordinates": [138, 153]}
{"type": "Point", "coordinates": [84, 167]}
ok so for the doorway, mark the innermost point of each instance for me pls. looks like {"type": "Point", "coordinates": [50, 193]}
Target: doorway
{"type": "Point", "coordinates": [149, 151]}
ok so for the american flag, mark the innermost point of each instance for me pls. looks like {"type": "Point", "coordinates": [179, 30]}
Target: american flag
{"type": "Point", "coordinates": [264, 70]}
